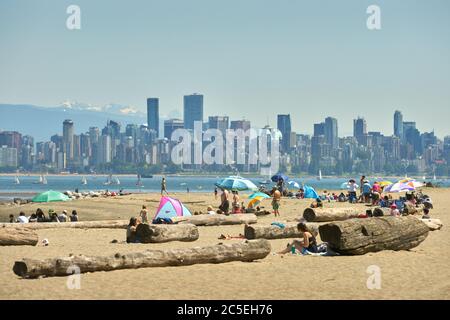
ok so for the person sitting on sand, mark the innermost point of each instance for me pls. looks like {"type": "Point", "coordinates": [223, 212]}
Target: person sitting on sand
{"type": "Point", "coordinates": [308, 241]}
{"type": "Point", "coordinates": [236, 202]}
{"type": "Point", "coordinates": [11, 218]}
{"type": "Point", "coordinates": [40, 215]}
{"type": "Point", "coordinates": [74, 216]}
{"type": "Point", "coordinates": [63, 216]}
{"type": "Point", "coordinates": [210, 210]}
{"type": "Point", "coordinates": [317, 204]}
{"type": "Point", "coordinates": [33, 218]}
{"type": "Point", "coordinates": [22, 218]}
{"type": "Point", "coordinates": [394, 211]}
{"type": "Point", "coordinates": [144, 214]}
{"type": "Point", "coordinates": [300, 194]}
{"type": "Point", "coordinates": [53, 216]}
{"type": "Point", "coordinates": [131, 230]}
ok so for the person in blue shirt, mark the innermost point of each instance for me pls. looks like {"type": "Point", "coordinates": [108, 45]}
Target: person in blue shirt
{"type": "Point", "coordinates": [366, 190]}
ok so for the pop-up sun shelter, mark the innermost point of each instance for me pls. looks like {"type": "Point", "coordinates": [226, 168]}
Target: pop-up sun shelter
{"type": "Point", "coordinates": [171, 208]}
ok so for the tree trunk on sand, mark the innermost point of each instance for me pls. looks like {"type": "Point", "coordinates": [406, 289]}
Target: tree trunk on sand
{"type": "Point", "coordinates": [359, 236]}
{"type": "Point", "coordinates": [155, 233]}
{"type": "Point", "coordinates": [412, 209]}
{"type": "Point", "coordinates": [432, 224]}
{"type": "Point", "coordinates": [107, 224]}
{"type": "Point", "coordinates": [18, 237]}
{"type": "Point", "coordinates": [240, 251]}
{"type": "Point", "coordinates": [218, 219]}
{"type": "Point", "coordinates": [331, 214]}
{"type": "Point", "coordinates": [274, 232]}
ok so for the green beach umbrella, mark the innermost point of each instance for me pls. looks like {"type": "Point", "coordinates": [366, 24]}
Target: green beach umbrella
{"type": "Point", "coordinates": [50, 196]}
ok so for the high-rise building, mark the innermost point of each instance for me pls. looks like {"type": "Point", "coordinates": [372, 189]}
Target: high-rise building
{"type": "Point", "coordinates": [153, 114]}
{"type": "Point", "coordinates": [94, 134]}
{"type": "Point", "coordinates": [240, 124]}
{"type": "Point", "coordinates": [219, 123]}
{"type": "Point", "coordinates": [12, 139]}
{"type": "Point", "coordinates": [104, 149]}
{"type": "Point", "coordinates": [284, 126]}
{"type": "Point", "coordinates": [398, 124]}
{"type": "Point", "coordinates": [8, 156]}
{"type": "Point", "coordinates": [331, 132]}
{"type": "Point", "coordinates": [171, 125]}
{"type": "Point", "coordinates": [68, 138]}
{"type": "Point", "coordinates": [359, 129]}
{"type": "Point", "coordinates": [319, 129]}
{"type": "Point", "coordinates": [193, 110]}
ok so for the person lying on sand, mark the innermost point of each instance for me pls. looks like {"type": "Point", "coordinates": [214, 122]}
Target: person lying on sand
{"type": "Point", "coordinates": [308, 242]}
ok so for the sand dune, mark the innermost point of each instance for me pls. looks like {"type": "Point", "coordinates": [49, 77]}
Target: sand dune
{"type": "Point", "coordinates": [422, 273]}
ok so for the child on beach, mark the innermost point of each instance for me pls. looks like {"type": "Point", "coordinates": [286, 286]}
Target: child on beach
{"type": "Point", "coordinates": [144, 214]}
{"type": "Point", "coordinates": [394, 211]}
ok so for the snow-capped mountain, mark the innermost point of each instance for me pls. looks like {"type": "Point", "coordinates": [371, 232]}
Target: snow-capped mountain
{"type": "Point", "coordinates": [112, 108]}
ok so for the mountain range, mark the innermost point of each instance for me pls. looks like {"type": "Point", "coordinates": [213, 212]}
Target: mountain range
{"type": "Point", "coordinates": [43, 122]}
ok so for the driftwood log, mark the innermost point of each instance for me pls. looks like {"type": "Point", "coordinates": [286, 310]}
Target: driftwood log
{"type": "Point", "coordinates": [155, 233]}
{"type": "Point", "coordinates": [247, 251]}
{"type": "Point", "coordinates": [218, 219]}
{"type": "Point", "coordinates": [18, 237]}
{"type": "Point", "coordinates": [108, 224]}
{"type": "Point", "coordinates": [274, 232]}
{"type": "Point", "coordinates": [331, 214]}
{"type": "Point", "coordinates": [359, 236]}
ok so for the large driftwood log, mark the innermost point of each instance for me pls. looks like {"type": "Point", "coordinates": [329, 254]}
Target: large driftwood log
{"type": "Point", "coordinates": [218, 219]}
{"type": "Point", "coordinates": [155, 233]}
{"type": "Point", "coordinates": [241, 251]}
{"type": "Point", "coordinates": [331, 214]}
{"type": "Point", "coordinates": [274, 232]}
{"type": "Point", "coordinates": [108, 224]}
{"type": "Point", "coordinates": [359, 236]}
{"type": "Point", "coordinates": [18, 237]}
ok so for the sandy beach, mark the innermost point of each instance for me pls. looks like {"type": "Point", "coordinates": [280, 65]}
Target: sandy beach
{"type": "Point", "coordinates": [421, 273]}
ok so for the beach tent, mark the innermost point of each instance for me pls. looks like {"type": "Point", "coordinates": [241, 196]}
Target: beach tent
{"type": "Point", "coordinates": [171, 208]}
{"type": "Point", "coordinates": [50, 196]}
{"type": "Point", "coordinates": [236, 183]}
{"type": "Point", "coordinates": [310, 193]}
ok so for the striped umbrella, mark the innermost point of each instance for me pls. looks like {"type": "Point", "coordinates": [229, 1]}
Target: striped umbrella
{"type": "Point", "coordinates": [403, 186]}
{"type": "Point", "coordinates": [236, 183]}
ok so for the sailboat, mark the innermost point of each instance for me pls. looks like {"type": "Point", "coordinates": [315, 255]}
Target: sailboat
{"type": "Point", "coordinates": [42, 180]}
{"type": "Point", "coordinates": [16, 180]}
{"type": "Point", "coordinates": [139, 182]}
{"type": "Point", "coordinates": [108, 180]}
{"type": "Point", "coordinates": [84, 180]}
{"type": "Point", "coordinates": [434, 177]}
{"type": "Point", "coordinates": [116, 181]}
{"type": "Point", "coordinates": [320, 175]}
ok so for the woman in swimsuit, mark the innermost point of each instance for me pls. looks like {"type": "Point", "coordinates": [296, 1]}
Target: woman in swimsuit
{"type": "Point", "coordinates": [307, 243]}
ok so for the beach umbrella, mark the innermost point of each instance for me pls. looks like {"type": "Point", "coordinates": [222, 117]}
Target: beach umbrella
{"type": "Point", "coordinates": [50, 196]}
{"type": "Point", "coordinates": [236, 183]}
{"type": "Point", "coordinates": [345, 185]}
{"type": "Point", "coordinates": [256, 200]}
{"type": "Point", "coordinates": [384, 183]}
{"type": "Point", "coordinates": [279, 176]}
{"type": "Point", "coordinates": [293, 184]}
{"type": "Point", "coordinates": [259, 195]}
{"type": "Point", "coordinates": [403, 186]}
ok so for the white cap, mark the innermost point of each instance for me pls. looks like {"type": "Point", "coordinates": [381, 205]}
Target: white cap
{"type": "Point", "coordinates": [45, 242]}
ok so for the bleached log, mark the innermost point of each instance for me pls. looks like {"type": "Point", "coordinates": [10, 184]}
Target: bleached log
{"type": "Point", "coordinates": [274, 232]}
{"type": "Point", "coordinates": [155, 233]}
{"type": "Point", "coordinates": [18, 237]}
{"type": "Point", "coordinates": [106, 224]}
{"type": "Point", "coordinates": [331, 214]}
{"type": "Point", "coordinates": [218, 219]}
{"type": "Point", "coordinates": [239, 251]}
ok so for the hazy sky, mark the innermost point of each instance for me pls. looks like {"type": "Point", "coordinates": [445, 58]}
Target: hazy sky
{"type": "Point", "coordinates": [250, 58]}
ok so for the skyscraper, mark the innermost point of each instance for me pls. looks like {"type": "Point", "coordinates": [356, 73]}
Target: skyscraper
{"type": "Point", "coordinates": [171, 125]}
{"type": "Point", "coordinates": [319, 129]}
{"type": "Point", "coordinates": [193, 110]}
{"type": "Point", "coordinates": [398, 125]}
{"type": "Point", "coordinates": [240, 124]}
{"type": "Point", "coordinates": [68, 138]}
{"type": "Point", "coordinates": [331, 132]}
{"type": "Point", "coordinates": [284, 126]}
{"type": "Point", "coordinates": [220, 123]}
{"type": "Point", "coordinates": [153, 114]}
{"type": "Point", "coordinates": [359, 129]}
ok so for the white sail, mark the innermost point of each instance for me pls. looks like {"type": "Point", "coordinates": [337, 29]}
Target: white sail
{"type": "Point", "coordinates": [16, 180]}
{"type": "Point", "coordinates": [44, 180]}
{"type": "Point", "coordinates": [108, 180]}
{"type": "Point", "coordinates": [84, 180]}
{"type": "Point", "coordinates": [434, 177]}
{"type": "Point", "coordinates": [320, 175]}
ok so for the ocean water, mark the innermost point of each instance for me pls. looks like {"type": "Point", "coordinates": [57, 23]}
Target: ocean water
{"type": "Point", "coordinates": [28, 187]}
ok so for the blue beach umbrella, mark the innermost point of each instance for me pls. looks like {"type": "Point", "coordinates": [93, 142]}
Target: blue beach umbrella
{"type": "Point", "coordinates": [236, 183]}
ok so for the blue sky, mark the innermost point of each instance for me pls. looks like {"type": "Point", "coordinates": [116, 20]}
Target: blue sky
{"type": "Point", "coordinates": [250, 58]}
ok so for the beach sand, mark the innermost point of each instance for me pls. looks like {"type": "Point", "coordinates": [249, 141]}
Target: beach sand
{"type": "Point", "coordinates": [421, 273]}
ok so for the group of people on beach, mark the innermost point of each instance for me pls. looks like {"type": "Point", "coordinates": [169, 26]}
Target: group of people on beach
{"type": "Point", "coordinates": [40, 216]}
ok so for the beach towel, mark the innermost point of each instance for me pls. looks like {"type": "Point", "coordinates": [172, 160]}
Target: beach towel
{"type": "Point", "coordinates": [278, 224]}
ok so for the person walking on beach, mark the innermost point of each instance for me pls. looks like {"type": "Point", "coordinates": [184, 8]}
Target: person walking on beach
{"type": "Point", "coordinates": [144, 214]}
{"type": "Point", "coordinates": [276, 201]}
{"type": "Point", "coordinates": [164, 186]}
{"type": "Point", "coordinates": [215, 193]}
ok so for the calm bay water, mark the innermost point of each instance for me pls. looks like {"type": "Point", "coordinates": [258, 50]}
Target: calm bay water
{"type": "Point", "coordinates": [28, 186]}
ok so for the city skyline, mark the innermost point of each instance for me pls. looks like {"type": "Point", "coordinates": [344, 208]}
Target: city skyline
{"type": "Point", "coordinates": [248, 59]}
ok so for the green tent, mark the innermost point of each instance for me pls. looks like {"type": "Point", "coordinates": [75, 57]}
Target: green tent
{"type": "Point", "coordinates": [50, 196]}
